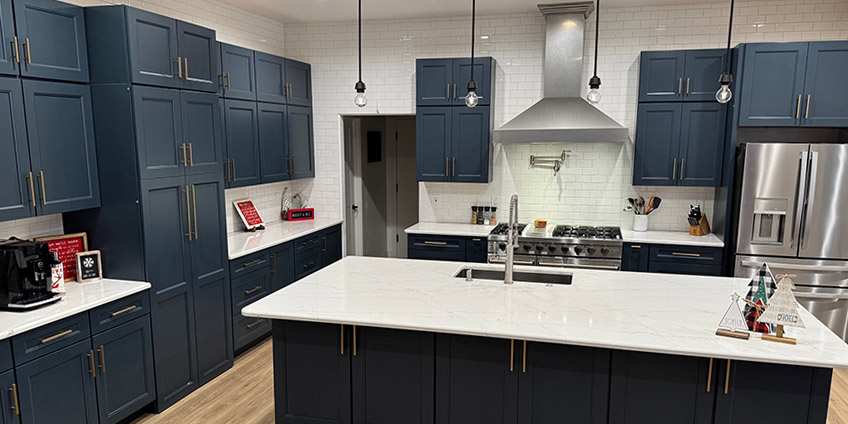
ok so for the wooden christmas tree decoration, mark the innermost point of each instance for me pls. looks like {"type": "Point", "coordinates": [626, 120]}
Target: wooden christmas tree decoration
{"type": "Point", "coordinates": [782, 311]}
{"type": "Point", "coordinates": [733, 323]}
{"type": "Point", "coordinates": [761, 288]}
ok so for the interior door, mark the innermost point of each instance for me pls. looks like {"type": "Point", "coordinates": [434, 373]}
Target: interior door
{"type": "Point", "coordinates": [17, 195]}
{"type": "Point", "coordinates": [826, 85]}
{"type": "Point", "coordinates": [827, 199]}
{"type": "Point", "coordinates": [159, 132]}
{"type": "Point", "coordinates": [53, 37]}
{"type": "Point", "coordinates": [199, 52]}
{"type": "Point", "coordinates": [9, 60]}
{"type": "Point", "coordinates": [202, 127]}
{"type": "Point", "coordinates": [153, 49]}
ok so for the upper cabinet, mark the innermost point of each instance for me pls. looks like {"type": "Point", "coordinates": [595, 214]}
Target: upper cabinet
{"type": "Point", "coordinates": [689, 75]}
{"type": "Point", "coordinates": [132, 45]}
{"type": "Point", "coordinates": [299, 82]}
{"type": "Point", "coordinates": [443, 82]}
{"type": "Point", "coordinates": [794, 84]}
{"type": "Point", "coordinates": [238, 77]}
{"type": "Point", "coordinates": [17, 198]}
{"type": "Point", "coordinates": [249, 75]}
{"type": "Point", "coordinates": [9, 49]}
{"type": "Point", "coordinates": [271, 78]}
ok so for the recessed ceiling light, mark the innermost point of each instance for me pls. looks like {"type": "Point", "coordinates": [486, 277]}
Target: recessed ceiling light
{"type": "Point", "coordinates": [484, 37]}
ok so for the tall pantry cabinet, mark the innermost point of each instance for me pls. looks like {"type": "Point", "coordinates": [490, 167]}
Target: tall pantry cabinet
{"type": "Point", "coordinates": [158, 118]}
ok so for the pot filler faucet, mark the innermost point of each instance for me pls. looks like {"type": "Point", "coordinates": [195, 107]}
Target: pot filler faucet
{"type": "Point", "coordinates": [512, 238]}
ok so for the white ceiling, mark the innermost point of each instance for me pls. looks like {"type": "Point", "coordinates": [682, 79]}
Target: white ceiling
{"type": "Point", "coordinates": [345, 10]}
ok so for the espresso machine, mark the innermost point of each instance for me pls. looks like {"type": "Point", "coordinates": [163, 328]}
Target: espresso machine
{"type": "Point", "coordinates": [26, 275]}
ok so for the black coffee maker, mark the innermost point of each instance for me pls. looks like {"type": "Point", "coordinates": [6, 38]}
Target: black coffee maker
{"type": "Point", "coordinates": [26, 274]}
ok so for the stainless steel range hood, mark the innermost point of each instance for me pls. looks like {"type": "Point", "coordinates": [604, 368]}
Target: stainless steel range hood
{"type": "Point", "coordinates": [563, 116]}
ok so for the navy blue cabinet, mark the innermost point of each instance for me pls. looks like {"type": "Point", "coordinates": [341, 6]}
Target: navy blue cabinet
{"type": "Point", "coordinates": [482, 75]}
{"type": "Point", "coordinates": [301, 141]}
{"type": "Point", "coordinates": [299, 81]}
{"type": "Point", "coordinates": [275, 161]}
{"type": "Point", "coordinates": [153, 52]}
{"type": "Point", "coordinates": [433, 131]}
{"type": "Point", "coordinates": [671, 259]}
{"type": "Point", "coordinates": [282, 266]}
{"type": "Point", "coordinates": [61, 144]}
{"type": "Point", "coordinates": [635, 257]}
{"type": "Point", "coordinates": [702, 71]}
{"type": "Point", "coordinates": [17, 196]}
{"type": "Point", "coordinates": [331, 251]}
{"type": "Point", "coordinates": [443, 82]}
{"type": "Point", "coordinates": [199, 53]}
{"type": "Point", "coordinates": [447, 248]}
{"type": "Point", "coordinates": [242, 143]}
{"type": "Point", "coordinates": [71, 372]}
{"type": "Point", "coordinates": [238, 77]}
{"type": "Point", "coordinates": [772, 84]}
{"type": "Point", "coordinates": [124, 357]}
{"type": "Point", "coordinates": [656, 158]}
{"type": "Point", "coordinates": [470, 143]}
{"type": "Point", "coordinates": [9, 413]}
{"type": "Point", "coordinates": [9, 59]}
{"type": "Point", "coordinates": [271, 85]}
{"type": "Point", "coordinates": [476, 250]}
{"type": "Point", "coordinates": [53, 40]}
{"type": "Point", "coordinates": [702, 144]}
{"type": "Point", "coordinates": [825, 85]}
{"type": "Point", "coordinates": [202, 130]}
{"type": "Point", "coordinates": [159, 132]}
{"type": "Point", "coordinates": [689, 75]}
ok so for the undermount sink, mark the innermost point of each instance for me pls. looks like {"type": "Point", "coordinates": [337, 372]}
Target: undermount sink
{"type": "Point", "coordinates": [523, 276]}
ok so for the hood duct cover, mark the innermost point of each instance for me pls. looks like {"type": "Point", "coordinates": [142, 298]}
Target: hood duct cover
{"type": "Point", "coordinates": [563, 116]}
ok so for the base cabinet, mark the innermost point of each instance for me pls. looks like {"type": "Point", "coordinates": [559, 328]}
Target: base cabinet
{"type": "Point", "coordinates": [447, 248]}
{"type": "Point", "coordinates": [8, 408]}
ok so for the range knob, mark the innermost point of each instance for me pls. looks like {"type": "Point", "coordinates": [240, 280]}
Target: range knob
{"type": "Point", "coordinates": [564, 249]}
{"type": "Point", "coordinates": [552, 248]}
{"type": "Point", "coordinates": [590, 250]}
{"type": "Point", "coordinates": [578, 250]}
{"type": "Point", "coordinates": [527, 247]}
{"type": "Point", "coordinates": [540, 248]}
{"type": "Point", "coordinates": [604, 251]}
{"type": "Point", "coordinates": [502, 246]}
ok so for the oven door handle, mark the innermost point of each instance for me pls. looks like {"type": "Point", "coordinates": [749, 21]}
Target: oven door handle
{"type": "Point", "coordinates": [799, 267]}
{"type": "Point", "coordinates": [607, 267]}
{"type": "Point", "coordinates": [516, 262]}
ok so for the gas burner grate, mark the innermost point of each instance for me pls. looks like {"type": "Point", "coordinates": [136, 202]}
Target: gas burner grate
{"type": "Point", "coordinates": [501, 229]}
{"type": "Point", "coordinates": [586, 232]}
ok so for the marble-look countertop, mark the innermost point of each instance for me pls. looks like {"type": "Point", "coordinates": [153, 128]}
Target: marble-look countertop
{"type": "Point", "coordinates": [276, 233]}
{"type": "Point", "coordinates": [79, 297]}
{"type": "Point", "coordinates": [661, 313]}
{"type": "Point", "coordinates": [448, 229]}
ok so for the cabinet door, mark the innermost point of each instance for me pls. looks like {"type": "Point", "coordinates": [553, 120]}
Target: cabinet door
{"type": "Point", "coordinates": [238, 77]}
{"type": "Point", "coordinates": [657, 159]}
{"type": "Point", "coordinates": [271, 78]}
{"type": "Point", "coordinates": [153, 49]}
{"type": "Point", "coordinates": [159, 132]}
{"type": "Point", "coordinates": [393, 376]}
{"type": "Point", "coordinates": [772, 84]}
{"type": "Point", "coordinates": [434, 82]}
{"type": "Point", "coordinates": [61, 145]}
{"type": "Point", "coordinates": [17, 195]}
{"type": "Point", "coordinates": [476, 380]}
{"type": "Point", "coordinates": [301, 139]}
{"type": "Point", "coordinates": [210, 276]}
{"type": "Point", "coordinates": [273, 143]}
{"type": "Point", "coordinates": [311, 373]}
{"type": "Point", "coordinates": [299, 79]}
{"type": "Point", "coordinates": [702, 69]}
{"type": "Point", "coordinates": [826, 85]}
{"type": "Point", "coordinates": [561, 383]}
{"type": "Point", "coordinates": [242, 142]}
{"type": "Point", "coordinates": [433, 143]}
{"type": "Point", "coordinates": [470, 146]}
{"type": "Point", "coordinates": [476, 250]}
{"type": "Point", "coordinates": [69, 372]}
{"type": "Point", "coordinates": [639, 379]}
{"type": "Point", "coordinates": [801, 392]}
{"type": "Point", "coordinates": [282, 266]}
{"type": "Point", "coordinates": [199, 52]}
{"type": "Point", "coordinates": [702, 144]}
{"type": "Point", "coordinates": [661, 76]}
{"type": "Point", "coordinates": [9, 57]}
{"type": "Point", "coordinates": [202, 129]}
{"type": "Point", "coordinates": [482, 75]}
{"type": "Point", "coordinates": [332, 245]}
{"type": "Point", "coordinates": [52, 34]}
{"type": "Point", "coordinates": [8, 388]}
{"type": "Point", "coordinates": [635, 257]}
{"type": "Point", "coordinates": [125, 381]}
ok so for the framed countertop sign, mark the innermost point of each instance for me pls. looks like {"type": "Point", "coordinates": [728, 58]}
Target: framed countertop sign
{"type": "Point", "coordinates": [249, 215]}
{"type": "Point", "coordinates": [67, 246]}
{"type": "Point", "coordinates": [89, 266]}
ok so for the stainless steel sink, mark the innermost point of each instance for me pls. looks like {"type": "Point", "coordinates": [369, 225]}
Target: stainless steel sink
{"type": "Point", "coordinates": [524, 276]}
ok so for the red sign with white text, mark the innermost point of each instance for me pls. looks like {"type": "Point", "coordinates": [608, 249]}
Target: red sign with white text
{"type": "Point", "coordinates": [249, 214]}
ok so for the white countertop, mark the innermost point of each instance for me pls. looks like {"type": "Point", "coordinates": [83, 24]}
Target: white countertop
{"type": "Point", "coordinates": [662, 313]}
{"type": "Point", "coordinates": [448, 229]}
{"type": "Point", "coordinates": [79, 297]}
{"type": "Point", "coordinates": [276, 233]}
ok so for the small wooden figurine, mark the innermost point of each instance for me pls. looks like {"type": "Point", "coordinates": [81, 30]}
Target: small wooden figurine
{"type": "Point", "coordinates": [782, 311]}
{"type": "Point", "coordinates": [733, 323]}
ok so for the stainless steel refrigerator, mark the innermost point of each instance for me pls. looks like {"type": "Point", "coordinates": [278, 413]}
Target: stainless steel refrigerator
{"type": "Point", "coordinates": [793, 215]}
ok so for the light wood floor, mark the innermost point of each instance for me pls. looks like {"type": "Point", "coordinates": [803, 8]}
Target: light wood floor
{"type": "Point", "coordinates": [245, 395]}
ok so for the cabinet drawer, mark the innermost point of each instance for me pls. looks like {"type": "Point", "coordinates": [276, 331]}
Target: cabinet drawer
{"type": "Point", "coordinates": [686, 255]}
{"type": "Point", "coordinates": [249, 263]}
{"type": "Point", "coordinates": [436, 255]}
{"type": "Point", "coordinates": [684, 268]}
{"type": "Point", "coordinates": [307, 262]}
{"type": "Point", "coordinates": [119, 312]}
{"type": "Point", "coordinates": [5, 355]}
{"type": "Point", "coordinates": [440, 243]}
{"type": "Point", "coordinates": [50, 338]}
{"type": "Point", "coordinates": [246, 330]}
{"type": "Point", "coordinates": [250, 288]}
{"type": "Point", "coordinates": [305, 243]}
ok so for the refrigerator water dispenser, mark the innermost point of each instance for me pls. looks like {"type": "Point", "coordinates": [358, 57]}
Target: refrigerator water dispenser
{"type": "Point", "coordinates": [769, 221]}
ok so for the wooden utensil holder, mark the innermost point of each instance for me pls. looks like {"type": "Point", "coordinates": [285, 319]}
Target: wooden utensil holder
{"type": "Point", "coordinates": [702, 229]}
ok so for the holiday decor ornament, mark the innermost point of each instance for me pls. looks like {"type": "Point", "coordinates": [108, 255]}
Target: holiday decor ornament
{"type": "Point", "coordinates": [733, 323]}
{"type": "Point", "coordinates": [782, 311]}
{"type": "Point", "coordinates": [761, 288]}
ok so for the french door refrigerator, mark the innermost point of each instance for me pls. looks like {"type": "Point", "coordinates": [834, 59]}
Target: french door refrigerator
{"type": "Point", "coordinates": [792, 215]}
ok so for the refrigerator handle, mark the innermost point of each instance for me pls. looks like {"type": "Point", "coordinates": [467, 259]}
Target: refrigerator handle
{"type": "Point", "coordinates": [796, 267]}
{"type": "Point", "coordinates": [799, 198]}
{"type": "Point", "coordinates": [814, 165]}
{"type": "Point", "coordinates": [819, 296]}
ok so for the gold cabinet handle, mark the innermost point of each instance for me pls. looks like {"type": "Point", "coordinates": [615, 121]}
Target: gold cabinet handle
{"type": "Point", "coordinates": [694, 255]}
{"type": "Point", "coordinates": [449, 96]}
{"type": "Point", "coordinates": [454, 166]}
{"type": "Point", "coordinates": [185, 158]}
{"type": "Point", "coordinates": [798, 109]}
{"type": "Point", "coordinates": [524, 359]}
{"type": "Point", "coordinates": [194, 210]}
{"type": "Point", "coordinates": [687, 85]}
{"type": "Point", "coordinates": [436, 243]}
{"type": "Point", "coordinates": [31, 188]}
{"type": "Point", "coordinates": [43, 192]}
{"type": "Point", "coordinates": [229, 80]}
{"type": "Point", "coordinates": [54, 337]}
{"type": "Point", "coordinates": [454, 91]}
{"type": "Point", "coordinates": [710, 376]}
{"type": "Point", "coordinates": [93, 366]}
{"type": "Point", "coordinates": [188, 212]}
{"type": "Point", "coordinates": [186, 67]}
{"type": "Point", "coordinates": [260, 321]}
{"type": "Point", "coordinates": [180, 66]}
{"type": "Point", "coordinates": [674, 171]}
{"type": "Point", "coordinates": [682, 165]}
{"type": "Point", "coordinates": [308, 265]}
{"type": "Point", "coordinates": [324, 249]}
{"type": "Point", "coordinates": [447, 166]}
{"type": "Point", "coordinates": [274, 261]}
{"type": "Point", "coordinates": [28, 53]}
{"type": "Point", "coordinates": [125, 310]}
{"type": "Point", "coordinates": [253, 290]}
{"type": "Point", "coordinates": [102, 351]}
{"type": "Point", "coordinates": [252, 263]}
{"type": "Point", "coordinates": [511, 354]}
{"type": "Point", "coordinates": [354, 340]}
{"type": "Point", "coordinates": [293, 164]}
{"type": "Point", "coordinates": [190, 155]}
{"type": "Point", "coordinates": [16, 406]}
{"type": "Point", "coordinates": [234, 170]}
{"type": "Point", "coordinates": [807, 113]}
{"type": "Point", "coordinates": [341, 345]}
{"type": "Point", "coordinates": [680, 86]}
{"type": "Point", "coordinates": [727, 378]}
{"type": "Point", "coordinates": [636, 246]}
{"type": "Point", "coordinates": [15, 44]}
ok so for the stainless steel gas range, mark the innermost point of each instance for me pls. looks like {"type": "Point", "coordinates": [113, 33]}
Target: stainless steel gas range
{"type": "Point", "coordinates": [561, 246]}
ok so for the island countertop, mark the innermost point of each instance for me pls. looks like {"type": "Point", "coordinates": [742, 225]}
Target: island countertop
{"type": "Point", "coordinates": [660, 313]}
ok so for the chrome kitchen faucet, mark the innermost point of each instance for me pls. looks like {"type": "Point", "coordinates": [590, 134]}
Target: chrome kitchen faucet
{"type": "Point", "coordinates": [512, 238]}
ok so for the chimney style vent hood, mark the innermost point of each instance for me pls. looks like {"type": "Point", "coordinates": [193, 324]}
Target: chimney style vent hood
{"type": "Point", "coordinates": [563, 116]}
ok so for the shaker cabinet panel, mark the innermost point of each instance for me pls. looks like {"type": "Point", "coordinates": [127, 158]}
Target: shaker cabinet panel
{"type": "Point", "coordinates": [53, 40]}
{"type": "Point", "coordinates": [8, 413]}
{"type": "Point", "coordinates": [9, 57]}
{"type": "Point", "coordinates": [661, 76]}
{"type": "Point", "coordinates": [282, 266]}
{"type": "Point", "coordinates": [242, 142]}
{"type": "Point", "coordinates": [238, 77]}
{"type": "Point", "coordinates": [703, 69]}
{"type": "Point", "coordinates": [270, 78]}
{"type": "Point", "coordinates": [482, 75]}
{"type": "Point", "coordinates": [826, 102]}
{"type": "Point", "coordinates": [657, 144]}
{"type": "Point", "coordinates": [470, 144]}
{"type": "Point", "coordinates": [199, 53]}
{"type": "Point", "coordinates": [202, 132]}
{"type": "Point", "coordinates": [159, 132]}
{"type": "Point", "coordinates": [434, 82]}
{"type": "Point", "coordinates": [17, 190]}
{"type": "Point", "coordinates": [275, 162]}
{"type": "Point", "coordinates": [332, 245]}
{"type": "Point", "coordinates": [299, 79]}
{"type": "Point", "coordinates": [153, 49]}
{"type": "Point", "coordinates": [772, 84]}
{"type": "Point", "coordinates": [165, 207]}
{"type": "Point", "coordinates": [433, 143]}
{"type": "Point", "coordinates": [301, 140]}
{"type": "Point", "coordinates": [702, 144]}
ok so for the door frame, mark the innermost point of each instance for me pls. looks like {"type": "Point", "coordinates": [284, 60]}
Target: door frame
{"type": "Point", "coordinates": [351, 151]}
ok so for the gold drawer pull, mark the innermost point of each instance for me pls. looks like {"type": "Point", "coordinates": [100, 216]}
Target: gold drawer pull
{"type": "Point", "coordinates": [727, 378]}
{"type": "Point", "coordinates": [475, 240]}
{"type": "Point", "coordinates": [710, 376]}
{"type": "Point", "coordinates": [524, 359]}
{"type": "Point", "coordinates": [308, 265]}
{"type": "Point", "coordinates": [252, 263]}
{"type": "Point", "coordinates": [354, 340]}
{"type": "Point", "coordinates": [436, 243]}
{"type": "Point", "coordinates": [511, 354]}
{"type": "Point", "coordinates": [17, 56]}
{"type": "Point", "coordinates": [341, 345]}
{"type": "Point", "coordinates": [636, 246]}
{"type": "Point", "coordinates": [93, 367]}
{"type": "Point", "coordinates": [693, 255]}
{"type": "Point", "coordinates": [102, 351]}
{"type": "Point", "coordinates": [62, 334]}
{"type": "Point", "coordinates": [255, 323]}
{"type": "Point", "coordinates": [253, 290]}
{"type": "Point", "coordinates": [180, 67]}
{"type": "Point", "coordinates": [125, 310]}
{"type": "Point", "coordinates": [17, 405]}
{"type": "Point", "coordinates": [28, 53]}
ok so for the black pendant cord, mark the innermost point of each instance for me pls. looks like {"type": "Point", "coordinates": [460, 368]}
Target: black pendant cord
{"type": "Point", "coordinates": [597, 32]}
{"type": "Point", "coordinates": [360, 40]}
{"type": "Point", "coordinates": [473, 29]}
{"type": "Point", "coordinates": [729, 35]}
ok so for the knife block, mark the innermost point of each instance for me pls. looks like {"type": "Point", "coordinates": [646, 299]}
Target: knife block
{"type": "Point", "coordinates": [702, 229]}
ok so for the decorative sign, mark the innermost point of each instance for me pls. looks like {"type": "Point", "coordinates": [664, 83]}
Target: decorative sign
{"type": "Point", "coordinates": [89, 266]}
{"type": "Point", "coordinates": [762, 286]}
{"type": "Point", "coordinates": [249, 215]}
{"type": "Point", "coordinates": [733, 323]}
{"type": "Point", "coordinates": [782, 311]}
{"type": "Point", "coordinates": [299, 214]}
{"type": "Point", "coordinates": [66, 247]}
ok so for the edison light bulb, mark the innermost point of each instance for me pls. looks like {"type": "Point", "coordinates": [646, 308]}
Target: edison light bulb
{"type": "Point", "coordinates": [360, 99]}
{"type": "Point", "coordinates": [723, 95]}
{"type": "Point", "coordinates": [594, 96]}
{"type": "Point", "coordinates": [471, 99]}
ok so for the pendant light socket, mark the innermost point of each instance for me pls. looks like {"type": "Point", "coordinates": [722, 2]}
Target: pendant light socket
{"type": "Point", "coordinates": [360, 87]}
{"type": "Point", "coordinates": [725, 79]}
{"type": "Point", "coordinates": [595, 82]}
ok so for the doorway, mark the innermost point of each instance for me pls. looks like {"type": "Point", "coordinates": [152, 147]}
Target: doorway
{"type": "Point", "coordinates": [381, 190]}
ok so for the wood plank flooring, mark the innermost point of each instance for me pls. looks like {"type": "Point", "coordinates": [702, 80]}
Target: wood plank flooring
{"type": "Point", "coordinates": [245, 395]}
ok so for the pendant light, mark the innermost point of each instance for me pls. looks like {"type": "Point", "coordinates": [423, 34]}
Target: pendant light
{"type": "Point", "coordinates": [360, 99]}
{"type": "Point", "coordinates": [723, 95]}
{"type": "Point", "coordinates": [471, 99]}
{"type": "Point", "coordinates": [594, 96]}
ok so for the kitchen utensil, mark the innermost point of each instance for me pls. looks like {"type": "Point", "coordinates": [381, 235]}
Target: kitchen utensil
{"type": "Point", "coordinates": [632, 202]}
{"type": "Point", "coordinates": [653, 204]}
{"type": "Point", "coordinates": [641, 204]}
